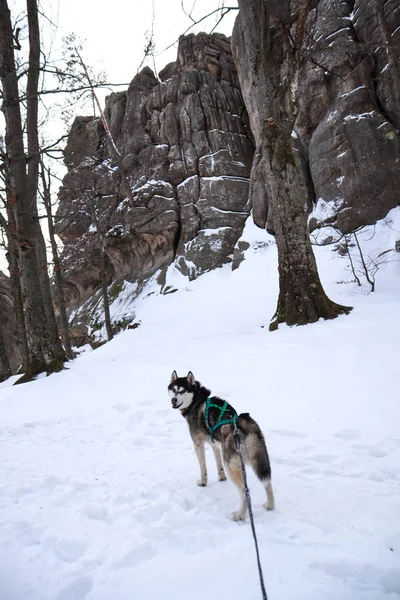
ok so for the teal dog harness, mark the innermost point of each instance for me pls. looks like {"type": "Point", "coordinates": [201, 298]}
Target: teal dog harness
{"type": "Point", "coordinates": [227, 415]}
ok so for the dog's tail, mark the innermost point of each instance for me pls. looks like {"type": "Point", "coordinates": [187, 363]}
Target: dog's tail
{"type": "Point", "coordinates": [255, 447]}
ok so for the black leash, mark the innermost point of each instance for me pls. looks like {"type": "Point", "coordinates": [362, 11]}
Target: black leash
{"type": "Point", "coordinates": [246, 490]}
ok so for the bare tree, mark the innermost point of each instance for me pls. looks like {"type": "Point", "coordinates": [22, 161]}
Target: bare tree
{"type": "Point", "coordinates": [93, 200]}
{"type": "Point", "coordinates": [8, 225]}
{"type": "Point", "coordinates": [45, 352]}
{"type": "Point", "coordinates": [101, 240]}
{"type": "Point", "coordinates": [115, 153]}
{"type": "Point", "coordinates": [267, 44]}
{"type": "Point", "coordinates": [45, 175]}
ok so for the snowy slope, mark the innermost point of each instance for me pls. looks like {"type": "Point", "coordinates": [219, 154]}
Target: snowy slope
{"type": "Point", "coordinates": [98, 495]}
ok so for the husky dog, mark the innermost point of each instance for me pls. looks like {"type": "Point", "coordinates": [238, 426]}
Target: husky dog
{"type": "Point", "coordinates": [213, 420]}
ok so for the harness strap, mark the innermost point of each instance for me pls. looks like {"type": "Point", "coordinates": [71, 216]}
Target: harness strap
{"type": "Point", "coordinates": [223, 409]}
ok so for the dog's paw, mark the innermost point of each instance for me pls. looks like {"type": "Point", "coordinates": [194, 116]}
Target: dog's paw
{"type": "Point", "coordinates": [202, 482]}
{"type": "Point", "coordinates": [238, 516]}
{"type": "Point", "coordinates": [269, 505]}
{"type": "Point", "coordinates": [222, 477]}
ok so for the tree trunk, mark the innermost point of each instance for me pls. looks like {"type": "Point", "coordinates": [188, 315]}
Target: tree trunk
{"type": "Point", "coordinates": [5, 370]}
{"type": "Point", "coordinates": [267, 59]}
{"type": "Point", "coordinates": [33, 178]}
{"type": "Point", "coordinates": [42, 355]}
{"type": "Point", "coordinates": [13, 267]}
{"type": "Point", "coordinates": [106, 303]}
{"type": "Point", "coordinates": [58, 280]}
{"type": "Point", "coordinates": [103, 274]}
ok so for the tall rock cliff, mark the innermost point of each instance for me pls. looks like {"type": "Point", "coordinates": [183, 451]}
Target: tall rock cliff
{"type": "Point", "coordinates": [186, 150]}
{"type": "Point", "coordinates": [347, 129]}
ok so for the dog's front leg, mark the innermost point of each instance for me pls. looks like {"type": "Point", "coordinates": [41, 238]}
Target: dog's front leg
{"type": "Point", "coordinates": [201, 457]}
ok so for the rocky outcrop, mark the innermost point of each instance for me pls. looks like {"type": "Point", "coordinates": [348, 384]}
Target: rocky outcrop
{"type": "Point", "coordinates": [186, 152]}
{"type": "Point", "coordinates": [347, 130]}
{"type": "Point", "coordinates": [7, 323]}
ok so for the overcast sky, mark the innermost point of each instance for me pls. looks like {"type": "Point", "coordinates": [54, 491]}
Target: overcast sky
{"type": "Point", "coordinates": [116, 30]}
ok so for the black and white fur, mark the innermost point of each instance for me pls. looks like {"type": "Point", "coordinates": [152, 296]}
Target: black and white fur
{"type": "Point", "coordinates": [189, 396]}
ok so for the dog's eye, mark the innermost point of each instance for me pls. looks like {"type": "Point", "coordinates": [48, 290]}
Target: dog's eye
{"type": "Point", "coordinates": [179, 390]}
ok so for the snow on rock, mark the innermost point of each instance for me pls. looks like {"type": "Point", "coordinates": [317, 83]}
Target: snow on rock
{"type": "Point", "coordinates": [98, 494]}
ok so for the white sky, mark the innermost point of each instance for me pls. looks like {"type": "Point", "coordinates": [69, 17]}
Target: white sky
{"type": "Point", "coordinates": [115, 32]}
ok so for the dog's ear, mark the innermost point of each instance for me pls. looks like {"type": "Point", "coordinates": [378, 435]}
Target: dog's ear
{"type": "Point", "coordinates": [190, 378]}
{"type": "Point", "coordinates": [174, 376]}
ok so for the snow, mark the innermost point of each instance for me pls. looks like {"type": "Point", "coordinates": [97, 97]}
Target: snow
{"type": "Point", "coordinates": [361, 87]}
{"type": "Point", "coordinates": [98, 495]}
{"type": "Point", "coordinates": [331, 116]}
{"type": "Point", "coordinates": [225, 178]}
{"type": "Point", "coordinates": [215, 209]}
{"type": "Point", "coordinates": [360, 116]}
{"type": "Point", "coordinates": [336, 32]}
{"type": "Point", "coordinates": [396, 30]}
{"type": "Point", "coordinates": [325, 210]}
{"type": "Point", "coordinates": [150, 184]}
{"type": "Point", "coordinates": [212, 232]}
{"type": "Point", "coordinates": [185, 182]}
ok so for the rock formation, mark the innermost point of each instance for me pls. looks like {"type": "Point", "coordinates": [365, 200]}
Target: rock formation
{"type": "Point", "coordinates": [186, 151]}
{"type": "Point", "coordinates": [347, 129]}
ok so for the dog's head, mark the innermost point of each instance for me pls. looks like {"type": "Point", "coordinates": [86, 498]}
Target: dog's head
{"type": "Point", "coordinates": [181, 390]}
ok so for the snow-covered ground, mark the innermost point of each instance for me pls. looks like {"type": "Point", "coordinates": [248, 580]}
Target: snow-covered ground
{"type": "Point", "coordinates": [98, 495]}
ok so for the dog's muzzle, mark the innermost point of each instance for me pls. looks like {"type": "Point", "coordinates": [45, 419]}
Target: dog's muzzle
{"type": "Point", "coordinates": [174, 402]}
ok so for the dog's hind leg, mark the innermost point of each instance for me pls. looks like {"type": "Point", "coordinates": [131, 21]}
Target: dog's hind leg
{"type": "Point", "coordinates": [270, 503]}
{"type": "Point", "coordinates": [257, 456]}
{"type": "Point", "coordinates": [201, 457]}
{"type": "Point", "coordinates": [218, 460]}
{"type": "Point", "coordinates": [234, 471]}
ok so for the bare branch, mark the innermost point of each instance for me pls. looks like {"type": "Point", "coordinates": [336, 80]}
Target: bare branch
{"type": "Point", "coordinates": [188, 14]}
{"type": "Point", "coordinates": [225, 9]}
{"type": "Point", "coordinates": [149, 48]}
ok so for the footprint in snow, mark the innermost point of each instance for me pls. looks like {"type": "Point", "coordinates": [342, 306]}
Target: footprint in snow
{"type": "Point", "coordinates": [348, 434]}
{"type": "Point", "coordinates": [96, 513]}
{"type": "Point", "coordinates": [70, 550]}
{"type": "Point", "coordinates": [52, 481]}
{"type": "Point", "coordinates": [372, 577]}
{"type": "Point", "coordinates": [293, 434]}
{"type": "Point", "coordinates": [323, 458]}
{"type": "Point", "coordinates": [121, 407]}
{"type": "Point", "coordinates": [76, 590]}
{"type": "Point", "coordinates": [28, 533]}
{"type": "Point", "coordinates": [381, 449]}
{"type": "Point", "coordinates": [148, 402]}
{"type": "Point", "coordinates": [385, 474]}
{"type": "Point", "coordinates": [137, 556]}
